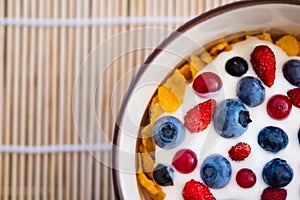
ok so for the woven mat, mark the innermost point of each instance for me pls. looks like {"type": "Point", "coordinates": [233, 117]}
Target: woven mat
{"type": "Point", "coordinates": [64, 67]}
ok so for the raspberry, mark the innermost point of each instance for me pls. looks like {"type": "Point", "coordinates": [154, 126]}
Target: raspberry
{"type": "Point", "coordinates": [240, 151]}
{"type": "Point", "coordinates": [194, 190]}
{"type": "Point", "coordinates": [294, 96]}
{"type": "Point", "coordinates": [274, 194]}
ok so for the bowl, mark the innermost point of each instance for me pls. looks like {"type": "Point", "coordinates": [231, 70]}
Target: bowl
{"type": "Point", "coordinates": [225, 22]}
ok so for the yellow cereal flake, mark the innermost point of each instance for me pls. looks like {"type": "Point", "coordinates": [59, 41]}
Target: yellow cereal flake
{"type": "Point", "coordinates": [206, 57]}
{"type": "Point", "coordinates": [193, 70]}
{"type": "Point", "coordinates": [265, 36]}
{"type": "Point", "coordinates": [196, 62]}
{"type": "Point", "coordinates": [176, 83]}
{"type": "Point", "coordinates": [147, 183]}
{"type": "Point", "coordinates": [147, 162]}
{"type": "Point", "coordinates": [154, 101]}
{"type": "Point", "coordinates": [149, 144]}
{"type": "Point", "coordinates": [155, 111]}
{"type": "Point", "coordinates": [186, 72]}
{"type": "Point", "coordinates": [171, 93]}
{"type": "Point", "coordinates": [167, 99]}
{"type": "Point", "coordinates": [299, 48]}
{"type": "Point", "coordinates": [289, 45]}
{"type": "Point", "coordinates": [159, 196]}
{"type": "Point", "coordinates": [219, 48]}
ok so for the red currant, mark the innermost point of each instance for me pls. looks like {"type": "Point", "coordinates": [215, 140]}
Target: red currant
{"type": "Point", "coordinates": [279, 107]}
{"type": "Point", "coordinates": [185, 161]}
{"type": "Point", "coordinates": [245, 178]}
{"type": "Point", "coordinates": [207, 83]}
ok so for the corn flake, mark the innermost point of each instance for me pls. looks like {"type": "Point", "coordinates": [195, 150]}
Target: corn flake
{"type": "Point", "coordinates": [289, 45]}
{"type": "Point", "coordinates": [219, 48]}
{"type": "Point", "coordinates": [186, 72]}
{"type": "Point", "coordinates": [265, 36]}
{"type": "Point", "coordinates": [206, 57]}
{"type": "Point", "coordinates": [197, 63]}
{"type": "Point", "coordinates": [167, 99]}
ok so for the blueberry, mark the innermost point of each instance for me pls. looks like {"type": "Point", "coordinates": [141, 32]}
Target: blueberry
{"type": "Point", "coordinates": [251, 91]}
{"type": "Point", "coordinates": [231, 118]}
{"type": "Point", "coordinates": [272, 139]}
{"type": "Point", "coordinates": [277, 173]}
{"type": "Point", "coordinates": [215, 171]}
{"type": "Point", "coordinates": [163, 175]}
{"type": "Point", "coordinates": [236, 66]}
{"type": "Point", "coordinates": [168, 132]}
{"type": "Point", "coordinates": [299, 136]}
{"type": "Point", "coordinates": [291, 71]}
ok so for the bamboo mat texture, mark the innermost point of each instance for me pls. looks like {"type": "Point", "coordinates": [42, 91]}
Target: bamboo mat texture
{"type": "Point", "coordinates": [64, 68]}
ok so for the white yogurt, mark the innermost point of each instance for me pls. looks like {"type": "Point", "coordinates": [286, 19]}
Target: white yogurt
{"type": "Point", "coordinates": [209, 142]}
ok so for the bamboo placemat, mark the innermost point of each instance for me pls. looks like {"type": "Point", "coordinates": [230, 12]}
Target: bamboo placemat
{"type": "Point", "coordinates": [59, 98]}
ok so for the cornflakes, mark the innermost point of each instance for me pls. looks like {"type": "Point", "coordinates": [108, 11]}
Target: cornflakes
{"type": "Point", "coordinates": [186, 72]}
{"type": "Point", "coordinates": [197, 63]}
{"type": "Point", "coordinates": [219, 48]}
{"type": "Point", "coordinates": [265, 36]}
{"type": "Point", "coordinates": [289, 44]}
{"type": "Point", "coordinates": [206, 57]}
{"type": "Point", "coordinates": [171, 93]}
{"type": "Point", "coordinates": [148, 163]}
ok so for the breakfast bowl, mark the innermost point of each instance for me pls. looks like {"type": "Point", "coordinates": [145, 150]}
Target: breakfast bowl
{"type": "Point", "coordinates": [216, 31]}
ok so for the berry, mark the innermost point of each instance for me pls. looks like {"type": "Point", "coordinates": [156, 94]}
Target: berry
{"type": "Point", "coordinates": [194, 190]}
{"type": "Point", "coordinates": [291, 72]}
{"type": "Point", "coordinates": [264, 64]}
{"type": "Point", "coordinates": [198, 118]}
{"type": "Point", "coordinates": [294, 96]}
{"type": "Point", "coordinates": [251, 91]}
{"type": "Point", "coordinates": [231, 118]}
{"type": "Point", "coordinates": [185, 161]}
{"type": "Point", "coordinates": [277, 173]}
{"type": "Point", "coordinates": [245, 178]}
{"type": "Point", "coordinates": [279, 107]}
{"type": "Point", "coordinates": [168, 132]}
{"type": "Point", "coordinates": [299, 135]}
{"type": "Point", "coordinates": [270, 193]}
{"type": "Point", "coordinates": [215, 171]}
{"type": "Point", "coordinates": [272, 139]}
{"type": "Point", "coordinates": [236, 66]}
{"type": "Point", "coordinates": [240, 151]}
{"type": "Point", "coordinates": [206, 84]}
{"type": "Point", "coordinates": [163, 175]}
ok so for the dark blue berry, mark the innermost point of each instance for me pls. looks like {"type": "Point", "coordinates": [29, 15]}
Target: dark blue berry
{"type": "Point", "coordinates": [215, 171]}
{"type": "Point", "coordinates": [231, 118]}
{"type": "Point", "coordinates": [168, 132]}
{"type": "Point", "coordinates": [277, 173]}
{"type": "Point", "coordinates": [291, 71]}
{"type": "Point", "coordinates": [299, 136]}
{"type": "Point", "coordinates": [272, 139]}
{"type": "Point", "coordinates": [236, 66]}
{"type": "Point", "coordinates": [163, 175]}
{"type": "Point", "coordinates": [251, 91]}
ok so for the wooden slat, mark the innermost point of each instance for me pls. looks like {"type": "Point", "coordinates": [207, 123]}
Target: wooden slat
{"type": "Point", "coordinates": [2, 75]}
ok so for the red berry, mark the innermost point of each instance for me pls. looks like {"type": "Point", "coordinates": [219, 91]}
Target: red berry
{"type": "Point", "coordinates": [245, 178]}
{"type": "Point", "coordinates": [194, 190]}
{"type": "Point", "coordinates": [279, 107]}
{"type": "Point", "coordinates": [185, 161]}
{"type": "Point", "coordinates": [240, 151]}
{"type": "Point", "coordinates": [264, 64]}
{"type": "Point", "coordinates": [274, 194]}
{"type": "Point", "coordinates": [294, 96]}
{"type": "Point", "coordinates": [198, 118]}
{"type": "Point", "coordinates": [207, 83]}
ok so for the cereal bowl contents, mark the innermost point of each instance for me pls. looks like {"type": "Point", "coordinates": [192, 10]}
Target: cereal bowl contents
{"type": "Point", "coordinates": [220, 94]}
